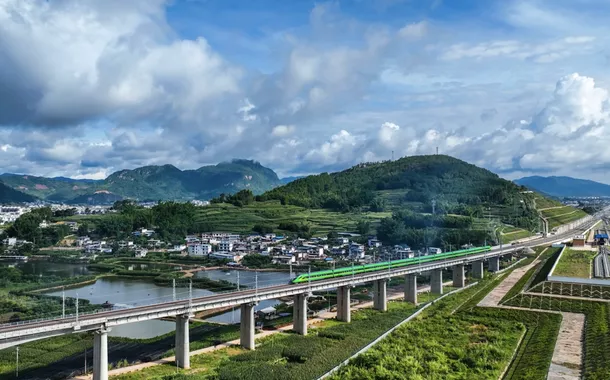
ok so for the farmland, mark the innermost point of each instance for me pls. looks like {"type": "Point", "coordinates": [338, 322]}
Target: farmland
{"type": "Point", "coordinates": [226, 217]}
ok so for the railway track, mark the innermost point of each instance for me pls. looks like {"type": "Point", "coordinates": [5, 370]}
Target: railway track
{"type": "Point", "coordinates": [601, 264]}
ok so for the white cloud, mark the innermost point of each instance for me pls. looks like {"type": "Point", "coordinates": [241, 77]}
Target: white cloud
{"type": "Point", "coordinates": [282, 130]}
{"type": "Point", "coordinates": [415, 30]}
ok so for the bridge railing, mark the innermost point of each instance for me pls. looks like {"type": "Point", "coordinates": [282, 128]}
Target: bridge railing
{"type": "Point", "coordinates": [72, 317]}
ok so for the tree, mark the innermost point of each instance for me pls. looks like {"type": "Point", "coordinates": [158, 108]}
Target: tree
{"type": "Point", "coordinates": [363, 227]}
{"type": "Point", "coordinates": [391, 231]}
{"type": "Point", "coordinates": [377, 204]}
{"type": "Point", "coordinates": [83, 229]}
{"type": "Point", "coordinates": [262, 229]}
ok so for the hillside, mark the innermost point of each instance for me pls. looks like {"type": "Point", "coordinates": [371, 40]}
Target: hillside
{"type": "Point", "coordinates": [565, 186]}
{"type": "Point", "coordinates": [59, 188]}
{"type": "Point", "coordinates": [152, 183]}
{"type": "Point", "coordinates": [9, 195]}
{"type": "Point", "coordinates": [410, 180]}
{"type": "Point", "coordinates": [429, 200]}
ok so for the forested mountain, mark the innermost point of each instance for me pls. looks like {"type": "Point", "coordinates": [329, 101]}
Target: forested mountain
{"type": "Point", "coordinates": [421, 178]}
{"type": "Point", "coordinates": [434, 200]}
{"type": "Point", "coordinates": [9, 195]}
{"type": "Point", "coordinates": [565, 186]}
{"type": "Point", "coordinates": [152, 183]}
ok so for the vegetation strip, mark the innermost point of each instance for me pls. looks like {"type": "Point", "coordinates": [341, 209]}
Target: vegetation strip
{"type": "Point", "coordinates": [411, 317]}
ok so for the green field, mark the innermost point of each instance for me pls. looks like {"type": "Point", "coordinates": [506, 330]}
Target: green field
{"type": "Point", "coordinates": [562, 215]}
{"type": "Point", "coordinates": [575, 264]}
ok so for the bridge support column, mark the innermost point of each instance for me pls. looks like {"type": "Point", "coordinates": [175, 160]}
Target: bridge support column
{"type": "Point", "coordinates": [494, 264]}
{"type": "Point", "coordinates": [411, 288]}
{"type": "Point", "coordinates": [183, 358]}
{"type": "Point", "coordinates": [300, 314]}
{"type": "Point", "coordinates": [100, 354]}
{"type": "Point", "coordinates": [380, 295]}
{"type": "Point", "coordinates": [436, 281]}
{"type": "Point", "coordinates": [344, 311]}
{"type": "Point", "coordinates": [458, 276]}
{"type": "Point", "coordinates": [247, 326]}
{"type": "Point", "coordinates": [477, 269]}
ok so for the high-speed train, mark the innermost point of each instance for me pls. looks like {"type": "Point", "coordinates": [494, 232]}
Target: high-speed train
{"type": "Point", "coordinates": [348, 271]}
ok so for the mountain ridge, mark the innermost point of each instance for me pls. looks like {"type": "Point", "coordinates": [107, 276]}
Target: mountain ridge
{"type": "Point", "coordinates": [564, 186]}
{"type": "Point", "coordinates": [152, 183]}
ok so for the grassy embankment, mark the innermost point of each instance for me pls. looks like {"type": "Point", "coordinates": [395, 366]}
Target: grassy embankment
{"type": "Point", "coordinates": [575, 263]}
{"type": "Point", "coordinates": [562, 215]}
{"type": "Point", "coordinates": [597, 326]}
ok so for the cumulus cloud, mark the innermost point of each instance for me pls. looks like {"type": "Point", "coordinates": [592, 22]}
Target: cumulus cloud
{"type": "Point", "coordinates": [415, 30]}
{"type": "Point", "coordinates": [92, 87]}
{"type": "Point", "coordinates": [66, 61]}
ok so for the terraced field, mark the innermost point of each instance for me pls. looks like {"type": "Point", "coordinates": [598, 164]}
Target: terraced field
{"type": "Point", "coordinates": [562, 215]}
{"type": "Point", "coordinates": [226, 217]}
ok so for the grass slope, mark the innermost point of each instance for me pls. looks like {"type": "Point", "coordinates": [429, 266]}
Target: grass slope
{"type": "Point", "coordinates": [575, 263]}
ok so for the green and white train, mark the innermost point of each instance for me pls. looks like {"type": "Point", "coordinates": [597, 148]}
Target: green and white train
{"type": "Point", "coordinates": [358, 269]}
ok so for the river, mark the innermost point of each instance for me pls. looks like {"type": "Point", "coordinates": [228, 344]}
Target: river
{"type": "Point", "coordinates": [49, 268]}
{"type": "Point", "coordinates": [128, 292]}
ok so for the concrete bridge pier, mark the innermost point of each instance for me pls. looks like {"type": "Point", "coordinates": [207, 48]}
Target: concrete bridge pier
{"type": "Point", "coordinates": [183, 358]}
{"type": "Point", "coordinates": [459, 279]}
{"type": "Point", "coordinates": [380, 295]}
{"type": "Point", "coordinates": [477, 269]}
{"type": "Point", "coordinates": [436, 281]}
{"type": "Point", "coordinates": [411, 288]}
{"type": "Point", "coordinates": [100, 354]}
{"type": "Point", "coordinates": [247, 326]}
{"type": "Point", "coordinates": [494, 264]}
{"type": "Point", "coordinates": [300, 314]}
{"type": "Point", "coordinates": [344, 311]}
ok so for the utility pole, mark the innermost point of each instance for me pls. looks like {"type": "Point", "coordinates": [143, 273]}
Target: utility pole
{"type": "Point", "coordinates": [309, 278]}
{"type": "Point", "coordinates": [85, 361]}
{"type": "Point", "coordinates": [76, 308]}
{"type": "Point", "coordinates": [256, 282]}
{"type": "Point", "coordinates": [17, 364]}
{"type": "Point", "coordinates": [290, 264]}
{"type": "Point", "coordinates": [433, 206]}
{"type": "Point", "coordinates": [238, 281]}
{"type": "Point", "coordinates": [174, 289]}
{"type": "Point", "coordinates": [190, 296]}
{"type": "Point", "coordinates": [63, 302]}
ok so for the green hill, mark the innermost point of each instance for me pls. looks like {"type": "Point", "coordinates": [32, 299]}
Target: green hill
{"type": "Point", "coordinates": [413, 182]}
{"type": "Point", "coordinates": [9, 195]}
{"type": "Point", "coordinates": [429, 201]}
{"type": "Point", "coordinates": [152, 183]}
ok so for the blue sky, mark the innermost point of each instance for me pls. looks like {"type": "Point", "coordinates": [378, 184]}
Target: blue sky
{"type": "Point", "coordinates": [88, 88]}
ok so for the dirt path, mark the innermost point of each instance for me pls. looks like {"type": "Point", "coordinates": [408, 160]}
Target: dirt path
{"type": "Point", "coordinates": [392, 294]}
{"type": "Point", "coordinates": [567, 356]}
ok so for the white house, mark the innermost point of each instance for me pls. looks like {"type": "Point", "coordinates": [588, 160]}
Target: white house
{"type": "Point", "coordinates": [178, 248]}
{"type": "Point", "coordinates": [356, 251]}
{"type": "Point", "coordinates": [225, 245]}
{"type": "Point", "coordinates": [226, 256]}
{"type": "Point", "coordinates": [141, 252]}
{"type": "Point", "coordinates": [374, 243]}
{"type": "Point", "coordinates": [198, 249]}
